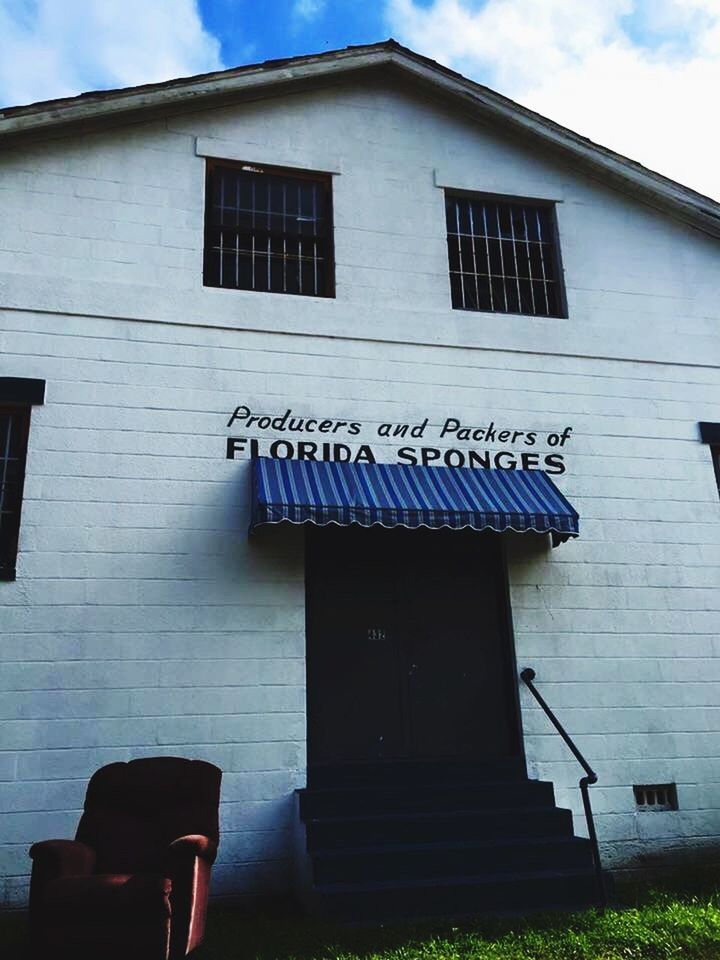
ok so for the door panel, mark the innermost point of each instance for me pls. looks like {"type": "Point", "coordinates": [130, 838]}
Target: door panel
{"type": "Point", "coordinates": [407, 650]}
{"type": "Point", "coordinates": [355, 700]}
{"type": "Point", "coordinates": [455, 671]}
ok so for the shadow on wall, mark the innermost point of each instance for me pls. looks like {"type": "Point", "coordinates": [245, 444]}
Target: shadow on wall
{"type": "Point", "coordinates": [220, 536]}
{"type": "Point", "coordinates": [690, 868]}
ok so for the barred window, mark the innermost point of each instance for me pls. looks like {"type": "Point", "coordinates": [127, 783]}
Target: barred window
{"type": "Point", "coordinates": [268, 229]}
{"type": "Point", "coordinates": [14, 425]}
{"type": "Point", "coordinates": [656, 796]}
{"type": "Point", "coordinates": [503, 256]}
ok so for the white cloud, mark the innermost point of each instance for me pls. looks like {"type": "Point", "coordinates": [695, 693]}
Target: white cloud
{"type": "Point", "coordinates": [308, 9]}
{"type": "Point", "coordinates": [638, 76]}
{"type": "Point", "coordinates": [58, 48]}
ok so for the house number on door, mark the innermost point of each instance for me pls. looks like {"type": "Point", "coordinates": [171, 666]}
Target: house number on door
{"type": "Point", "coordinates": [376, 633]}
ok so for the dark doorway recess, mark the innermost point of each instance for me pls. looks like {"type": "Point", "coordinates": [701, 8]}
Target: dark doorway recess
{"type": "Point", "coordinates": [409, 650]}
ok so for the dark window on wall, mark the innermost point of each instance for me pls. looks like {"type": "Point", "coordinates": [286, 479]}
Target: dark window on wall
{"type": "Point", "coordinates": [14, 424]}
{"type": "Point", "coordinates": [715, 454]}
{"type": "Point", "coordinates": [656, 796]}
{"type": "Point", "coordinates": [710, 434]}
{"type": "Point", "coordinates": [16, 398]}
{"type": "Point", "coordinates": [504, 256]}
{"type": "Point", "coordinates": [269, 230]}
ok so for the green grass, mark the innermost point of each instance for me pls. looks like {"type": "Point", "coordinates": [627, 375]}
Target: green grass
{"type": "Point", "coordinates": [664, 927]}
{"type": "Point", "coordinates": [654, 925]}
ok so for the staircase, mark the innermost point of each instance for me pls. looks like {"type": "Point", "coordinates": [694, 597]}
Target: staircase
{"type": "Point", "coordinates": [440, 840]}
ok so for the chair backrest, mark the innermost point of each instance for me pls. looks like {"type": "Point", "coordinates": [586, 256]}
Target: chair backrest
{"type": "Point", "coordinates": [134, 810]}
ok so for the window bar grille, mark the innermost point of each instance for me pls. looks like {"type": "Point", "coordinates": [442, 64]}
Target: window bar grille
{"type": "Point", "coordinates": [502, 256]}
{"type": "Point", "coordinates": [656, 796]}
{"type": "Point", "coordinates": [266, 232]}
{"type": "Point", "coordinates": [268, 255]}
{"type": "Point", "coordinates": [300, 247]}
{"type": "Point", "coordinates": [487, 254]}
{"type": "Point", "coordinates": [474, 256]}
{"type": "Point", "coordinates": [253, 198]}
{"type": "Point", "coordinates": [515, 260]}
{"type": "Point", "coordinates": [237, 232]}
{"type": "Point", "coordinates": [509, 265]}
{"type": "Point", "coordinates": [315, 261]}
{"type": "Point", "coordinates": [6, 461]}
{"type": "Point", "coordinates": [268, 205]}
{"type": "Point", "coordinates": [252, 261]}
{"type": "Point", "coordinates": [460, 252]}
{"type": "Point", "coordinates": [541, 248]}
{"type": "Point", "coordinates": [285, 230]}
{"type": "Point", "coordinates": [221, 254]}
{"type": "Point", "coordinates": [529, 260]}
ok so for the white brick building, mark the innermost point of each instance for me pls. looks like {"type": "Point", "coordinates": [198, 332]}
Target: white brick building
{"type": "Point", "coordinates": [143, 621]}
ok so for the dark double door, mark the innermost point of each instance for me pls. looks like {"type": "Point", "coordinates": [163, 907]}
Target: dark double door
{"type": "Point", "coordinates": [408, 650]}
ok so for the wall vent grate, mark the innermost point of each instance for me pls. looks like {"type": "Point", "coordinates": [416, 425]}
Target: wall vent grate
{"type": "Point", "coordinates": [656, 796]}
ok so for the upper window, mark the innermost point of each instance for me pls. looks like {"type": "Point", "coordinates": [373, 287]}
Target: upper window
{"type": "Point", "coordinates": [268, 229]}
{"type": "Point", "coordinates": [503, 256]}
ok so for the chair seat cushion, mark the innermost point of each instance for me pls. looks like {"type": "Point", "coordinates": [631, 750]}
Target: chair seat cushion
{"type": "Point", "coordinates": [124, 842]}
{"type": "Point", "coordinates": [118, 896]}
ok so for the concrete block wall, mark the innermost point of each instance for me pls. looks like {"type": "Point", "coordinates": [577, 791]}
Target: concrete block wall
{"type": "Point", "coordinates": [144, 622]}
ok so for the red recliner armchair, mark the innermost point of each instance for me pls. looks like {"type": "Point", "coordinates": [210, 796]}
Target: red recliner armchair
{"type": "Point", "coordinates": [135, 880]}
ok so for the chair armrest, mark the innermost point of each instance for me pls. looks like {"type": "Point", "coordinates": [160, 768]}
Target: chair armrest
{"type": "Point", "coordinates": [62, 858]}
{"type": "Point", "coordinates": [53, 859]}
{"type": "Point", "coordinates": [193, 845]}
{"type": "Point", "coordinates": [189, 862]}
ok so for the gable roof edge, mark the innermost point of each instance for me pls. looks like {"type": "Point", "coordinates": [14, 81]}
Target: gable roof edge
{"type": "Point", "coordinates": [185, 90]}
{"type": "Point", "coordinates": [627, 175]}
{"type": "Point", "coordinates": [624, 174]}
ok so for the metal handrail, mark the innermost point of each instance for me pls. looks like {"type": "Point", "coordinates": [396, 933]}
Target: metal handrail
{"type": "Point", "coordinates": [527, 676]}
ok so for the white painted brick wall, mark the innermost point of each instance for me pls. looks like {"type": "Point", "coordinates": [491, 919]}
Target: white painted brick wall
{"type": "Point", "coordinates": [143, 622]}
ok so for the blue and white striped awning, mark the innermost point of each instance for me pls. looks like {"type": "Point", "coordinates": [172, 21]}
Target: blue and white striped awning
{"type": "Point", "coordinates": [394, 494]}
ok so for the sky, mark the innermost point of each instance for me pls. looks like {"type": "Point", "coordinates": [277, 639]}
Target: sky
{"type": "Point", "coordinates": [639, 76]}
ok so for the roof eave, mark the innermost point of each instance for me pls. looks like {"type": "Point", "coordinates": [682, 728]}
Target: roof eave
{"type": "Point", "coordinates": [183, 92]}
{"type": "Point", "coordinates": [625, 174]}
{"type": "Point", "coordinates": [245, 82]}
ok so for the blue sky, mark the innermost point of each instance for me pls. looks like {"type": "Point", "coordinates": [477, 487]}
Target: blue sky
{"type": "Point", "coordinates": [284, 28]}
{"type": "Point", "coordinates": [639, 76]}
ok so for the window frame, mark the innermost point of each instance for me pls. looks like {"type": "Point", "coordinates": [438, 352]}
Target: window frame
{"type": "Point", "coordinates": [18, 395]}
{"type": "Point", "coordinates": [556, 253]}
{"type": "Point", "coordinates": [322, 179]}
